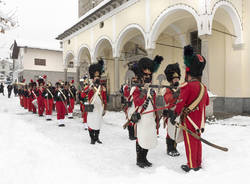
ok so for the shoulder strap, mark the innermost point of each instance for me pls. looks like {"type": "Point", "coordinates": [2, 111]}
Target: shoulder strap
{"type": "Point", "coordinates": [197, 101]}
{"type": "Point", "coordinates": [65, 98]}
{"type": "Point", "coordinates": [49, 92]}
{"type": "Point", "coordinates": [71, 93]}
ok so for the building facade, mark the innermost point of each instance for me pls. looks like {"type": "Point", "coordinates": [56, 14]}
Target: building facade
{"type": "Point", "coordinates": [120, 31]}
{"type": "Point", "coordinates": [30, 62]}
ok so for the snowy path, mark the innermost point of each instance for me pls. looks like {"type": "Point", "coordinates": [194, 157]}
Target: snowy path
{"type": "Point", "coordinates": [33, 151]}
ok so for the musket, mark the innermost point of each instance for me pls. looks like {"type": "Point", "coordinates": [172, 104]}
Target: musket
{"type": "Point", "coordinates": [152, 86]}
{"type": "Point", "coordinates": [129, 120]}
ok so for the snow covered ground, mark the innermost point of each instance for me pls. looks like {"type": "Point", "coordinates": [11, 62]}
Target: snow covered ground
{"type": "Point", "coordinates": [34, 151]}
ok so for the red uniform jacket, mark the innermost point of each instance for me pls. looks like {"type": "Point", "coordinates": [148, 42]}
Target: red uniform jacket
{"type": "Point", "coordinates": [169, 99]}
{"type": "Point", "coordinates": [103, 95]}
{"type": "Point", "coordinates": [126, 94]}
{"type": "Point", "coordinates": [189, 92]}
{"type": "Point", "coordinates": [139, 98]}
{"type": "Point", "coordinates": [170, 102]}
{"type": "Point", "coordinates": [84, 94]}
{"type": "Point", "coordinates": [126, 91]}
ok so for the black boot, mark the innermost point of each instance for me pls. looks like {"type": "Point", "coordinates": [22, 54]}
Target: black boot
{"type": "Point", "coordinates": [139, 156]}
{"type": "Point", "coordinates": [131, 133]}
{"type": "Point", "coordinates": [171, 148]}
{"type": "Point", "coordinates": [147, 163]}
{"type": "Point", "coordinates": [186, 168]}
{"type": "Point", "coordinates": [92, 136]}
{"type": "Point", "coordinates": [97, 132]}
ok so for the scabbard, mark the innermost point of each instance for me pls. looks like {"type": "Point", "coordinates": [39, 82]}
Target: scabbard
{"type": "Point", "coordinates": [201, 139]}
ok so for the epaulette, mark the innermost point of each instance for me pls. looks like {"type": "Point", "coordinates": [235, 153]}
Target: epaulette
{"type": "Point", "coordinates": [183, 85]}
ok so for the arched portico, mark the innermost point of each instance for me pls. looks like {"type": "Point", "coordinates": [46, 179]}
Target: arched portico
{"type": "Point", "coordinates": [235, 18]}
{"type": "Point", "coordinates": [169, 16]}
{"type": "Point", "coordinates": [68, 63]}
{"type": "Point", "coordinates": [83, 62]}
{"type": "Point", "coordinates": [129, 32]}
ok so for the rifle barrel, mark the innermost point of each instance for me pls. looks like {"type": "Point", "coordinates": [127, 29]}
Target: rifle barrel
{"type": "Point", "coordinates": [152, 86]}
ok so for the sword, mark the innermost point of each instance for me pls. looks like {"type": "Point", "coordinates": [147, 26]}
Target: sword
{"type": "Point", "coordinates": [199, 138]}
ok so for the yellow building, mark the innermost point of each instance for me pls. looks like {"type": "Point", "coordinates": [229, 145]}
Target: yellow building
{"type": "Point", "coordinates": [123, 30]}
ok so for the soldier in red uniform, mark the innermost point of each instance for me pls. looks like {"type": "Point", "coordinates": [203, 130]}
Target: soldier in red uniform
{"type": "Point", "coordinates": [48, 100]}
{"type": "Point", "coordinates": [20, 93]}
{"type": "Point", "coordinates": [144, 100]}
{"type": "Point", "coordinates": [171, 94]}
{"type": "Point", "coordinates": [72, 97]}
{"type": "Point", "coordinates": [25, 96]}
{"type": "Point", "coordinates": [40, 98]}
{"type": "Point", "coordinates": [34, 97]}
{"type": "Point", "coordinates": [83, 98]}
{"type": "Point", "coordinates": [191, 108]}
{"type": "Point", "coordinates": [127, 100]}
{"type": "Point", "coordinates": [30, 96]}
{"type": "Point", "coordinates": [98, 98]}
{"type": "Point", "coordinates": [61, 107]}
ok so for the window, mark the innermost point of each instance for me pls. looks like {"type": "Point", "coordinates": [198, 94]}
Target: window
{"type": "Point", "coordinates": [195, 42]}
{"type": "Point", "coordinates": [36, 77]}
{"type": "Point", "coordinates": [41, 62]}
{"type": "Point", "coordinates": [101, 25]}
{"type": "Point", "coordinates": [71, 64]}
{"type": "Point", "coordinates": [70, 78]}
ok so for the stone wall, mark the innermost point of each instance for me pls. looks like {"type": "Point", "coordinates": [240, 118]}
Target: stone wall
{"type": "Point", "coordinates": [232, 105]}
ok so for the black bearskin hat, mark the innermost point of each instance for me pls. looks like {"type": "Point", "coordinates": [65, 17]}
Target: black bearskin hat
{"type": "Point", "coordinates": [58, 84]}
{"type": "Point", "coordinates": [31, 83]}
{"type": "Point", "coordinates": [135, 68]}
{"type": "Point", "coordinates": [147, 63]}
{"type": "Point", "coordinates": [172, 71]}
{"type": "Point", "coordinates": [97, 67]}
{"type": "Point", "coordinates": [195, 63]}
{"type": "Point", "coordinates": [34, 84]}
{"type": "Point", "coordinates": [66, 83]}
{"type": "Point", "coordinates": [40, 81]}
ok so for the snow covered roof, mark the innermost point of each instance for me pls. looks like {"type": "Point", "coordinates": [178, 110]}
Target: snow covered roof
{"type": "Point", "coordinates": [45, 45]}
{"type": "Point", "coordinates": [90, 16]}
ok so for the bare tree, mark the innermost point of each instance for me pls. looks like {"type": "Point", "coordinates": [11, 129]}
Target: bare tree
{"type": "Point", "coordinates": [8, 20]}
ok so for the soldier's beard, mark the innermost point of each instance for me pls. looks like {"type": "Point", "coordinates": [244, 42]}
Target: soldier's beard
{"type": "Point", "coordinates": [97, 82]}
{"type": "Point", "coordinates": [176, 84]}
{"type": "Point", "coordinates": [148, 79]}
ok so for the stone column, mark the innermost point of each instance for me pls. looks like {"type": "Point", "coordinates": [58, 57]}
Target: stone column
{"type": "Point", "coordinates": [117, 73]}
{"type": "Point", "coordinates": [205, 75]}
{"type": "Point", "coordinates": [77, 83]}
{"type": "Point", "coordinates": [65, 73]}
{"type": "Point", "coordinates": [117, 99]}
{"type": "Point", "coordinates": [77, 76]}
{"type": "Point", "coordinates": [150, 53]}
{"type": "Point", "coordinates": [204, 53]}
